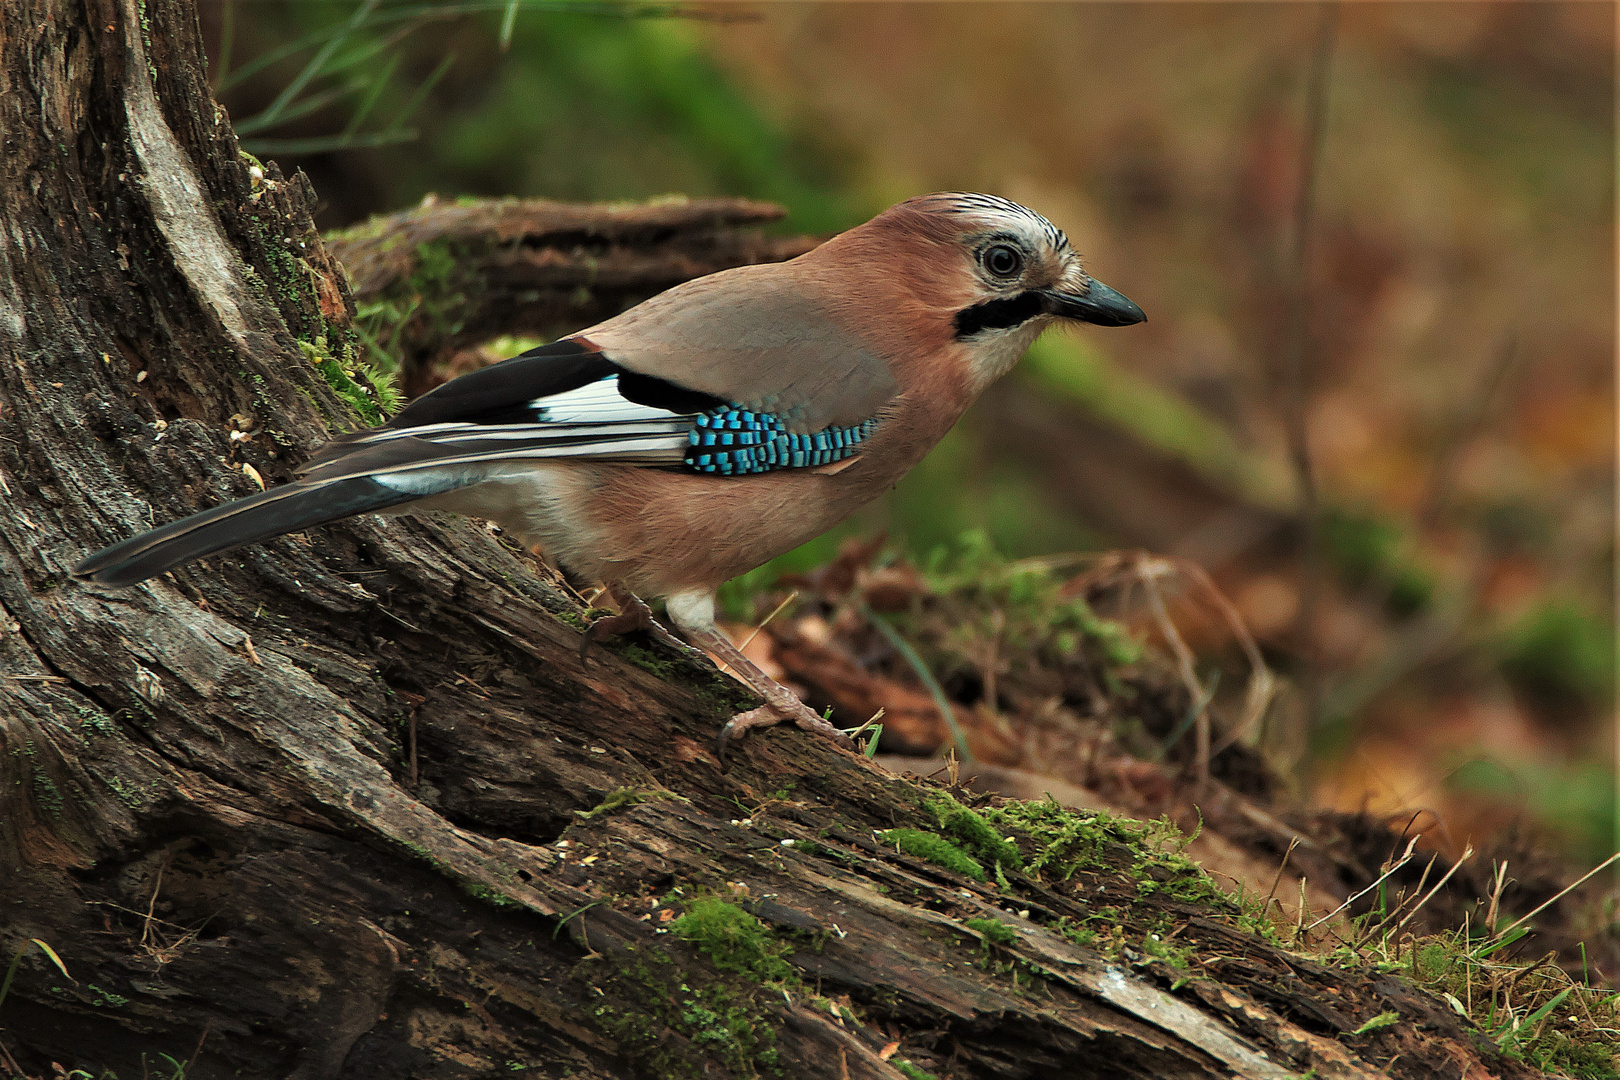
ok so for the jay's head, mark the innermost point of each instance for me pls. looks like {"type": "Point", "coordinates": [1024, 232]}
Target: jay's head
{"type": "Point", "coordinates": [985, 273]}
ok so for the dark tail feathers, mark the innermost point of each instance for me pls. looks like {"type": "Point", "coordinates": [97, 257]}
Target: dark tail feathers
{"type": "Point", "coordinates": [290, 508]}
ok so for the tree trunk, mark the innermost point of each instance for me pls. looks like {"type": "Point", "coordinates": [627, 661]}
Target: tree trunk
{"type": "Point", "coordinates": [349, 804]}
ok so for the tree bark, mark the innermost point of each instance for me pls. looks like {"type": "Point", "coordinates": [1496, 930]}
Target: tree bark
{"type": "Point", "coordinates": [349, 804]}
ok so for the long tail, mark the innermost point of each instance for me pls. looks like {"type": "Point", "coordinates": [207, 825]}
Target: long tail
{"type": "Point", "coordinates": [289, 508]}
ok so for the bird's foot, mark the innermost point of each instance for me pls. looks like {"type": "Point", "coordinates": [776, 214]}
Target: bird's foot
{"type": "Point", "coordinates": [777, 709]}
{"type": "Point", "coordinates": [633, 615]}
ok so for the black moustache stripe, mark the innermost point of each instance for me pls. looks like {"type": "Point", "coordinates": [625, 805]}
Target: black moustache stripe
{"type": "Point", "coordinates": [998, 314]}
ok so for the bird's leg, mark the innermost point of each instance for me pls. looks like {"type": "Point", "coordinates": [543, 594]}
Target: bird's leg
{"type": "Point", "coordinates": [633, 615]}
{"type": "Point", "coordinates": [693, 613]}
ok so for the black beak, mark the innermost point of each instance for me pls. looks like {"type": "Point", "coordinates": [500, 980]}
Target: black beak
{"type": "Point", "coordinates": [1099, 304]}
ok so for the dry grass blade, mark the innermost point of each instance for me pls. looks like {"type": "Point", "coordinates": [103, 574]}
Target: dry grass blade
{"type": "Point", "coordinates": [1405, 858]}
{"type": "Point", "coordinates": [1262, 684]}
{"type": "Point", "coordinates": [1293, 842]}
{"type": "Point", "coordinates": [1605, 864]}
{"type": "Point", "coordinates": [1468, 853]}
{"type": "Point", "coordinates": [1148, 570]}
{"type": "Point", "coordinates": [792, 596]}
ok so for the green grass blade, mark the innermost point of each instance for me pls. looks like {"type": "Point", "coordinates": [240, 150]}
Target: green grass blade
{"type": "Point", "coordinates": [312, 103]}
{"type": "Point", "coordinates": [508, 24]}
{"type": "Point", "coordinates": [421, 93]}
{"type": "Point", "coordinates": [316, 64]}
{"type": "Point", "coordinates": [323, 143]}
{"type": "Point", "coordinates": [926, 677]}
{"type": "Point", "coordinates": [16, 962]}
{"type": "Point", "coordinates": [377, 86]}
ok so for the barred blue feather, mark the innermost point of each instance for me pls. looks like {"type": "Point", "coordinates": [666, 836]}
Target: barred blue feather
{"type": "Point", "coordinates": [736, 442]}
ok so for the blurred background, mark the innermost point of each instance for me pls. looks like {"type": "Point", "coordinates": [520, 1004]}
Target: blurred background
{"type": "Point", "coordinates": [1375, 397]}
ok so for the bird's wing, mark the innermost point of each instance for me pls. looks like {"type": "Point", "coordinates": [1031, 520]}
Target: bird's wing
{"type": "Point", "coordinates": [759, 337]}
{"type": "Point", "coordinates": [572, 400]}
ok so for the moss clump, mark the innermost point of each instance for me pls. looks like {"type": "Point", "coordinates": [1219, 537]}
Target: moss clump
{"type": "Point", "coordinates": [1159, 949]}
{"type": "Point", "coordinates": [95, 721]}
{"type": "Point", "coordinates": [374, 399]}
{"type": "Point", "coordinates": [910, 1071]}
{"type": "Point", "coordinates": [706, 1014]}
{"type": "Point", "coordinates": [974, 832]}
{"type": "Point", "coordinates": [934, 848]}
{"type": "Point", "coordinates": [620, 798]}
{"type": "Point", "coordinates": [980, 596]}
{"type": "Point", "coordinates": [995, 931]}
{"type": "Point", "coordinates": [722, 1010]}
{"type": "Point", "coordinates": [46, 795]}
{"type": "Point", "coordinates": [432, 301]}
{"type": "Point", "coordinates": [1084, 936]}
{"type": "Point", "coordinates": [1066, 840]}
{"type": "Point", "coordinates": [485, 893]}
{"type": "Point", "coordinates": [734, 940]}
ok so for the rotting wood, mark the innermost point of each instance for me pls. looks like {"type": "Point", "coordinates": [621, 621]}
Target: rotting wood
{"type": "Point", "coordinates": [207, 803]}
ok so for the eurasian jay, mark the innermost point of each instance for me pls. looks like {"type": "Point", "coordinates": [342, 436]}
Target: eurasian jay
{"type": "Point", "coordinates": [700, 434]}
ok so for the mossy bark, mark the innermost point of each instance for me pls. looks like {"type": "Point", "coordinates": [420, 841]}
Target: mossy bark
{"type": "Point", "coordinates": [319, 808]}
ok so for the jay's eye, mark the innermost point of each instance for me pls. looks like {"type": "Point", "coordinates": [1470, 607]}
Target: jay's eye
{"type": "Point", "coordinates": [1003, 261]}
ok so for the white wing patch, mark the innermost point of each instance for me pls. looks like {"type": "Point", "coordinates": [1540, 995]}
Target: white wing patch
{"type": "Point", "coordinates": [590, 420]}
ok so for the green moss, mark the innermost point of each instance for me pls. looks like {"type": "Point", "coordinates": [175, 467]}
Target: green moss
{"type": "Point", "coordinates": [910, 1071]}
{"type": "Point", "coordinates": [432, 300]}
{"type": "Point", "coordinates": [128, 793]}
{"type": "Point", "coordinates": [707, 1015]}
{"type": "Point", "coordinates": [733, 940]}
{"type": "Point", "coordinates": [106, 999]}
{"type": "Point", "coordinates": [1159, 949]}
{"type": "Point", "coordinates": [95, 721]}
{"type": "Point", "coordinates": [368, 390]}
{"type": "Point", "coordinates": [486, 894]}
{"type": "Point", "coordinates": [995, 931]}
{"type": "Point", "coordinates": [1066, 841]}
{"type": "Point", "coordinates": [46, 795]}
{"type": "Point", "coordinates": [935, 849]}
{"type": "Point", "coordinates": [644, 659]}
{"type": "Point", "coordinates": [1021, 605]}
{"type": "Point", "coordinates": [974, 832]}
{"type": "Point", "coordinates": [723, 1011]}
{"type": "Point", "coordinates": [619, 798]}
{"type": "Point", "coordinates": [1080, 935]}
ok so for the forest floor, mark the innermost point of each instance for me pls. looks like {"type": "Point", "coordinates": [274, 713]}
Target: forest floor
{"type": "Point", "coordinates": [1000, 678]}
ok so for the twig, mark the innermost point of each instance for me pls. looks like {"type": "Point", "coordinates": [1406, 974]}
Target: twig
{"type": "Point", "coordinates": [186, 1069]}
{"type": "Point", "coordinates": [1296, 376]}
{"type": "Point", "coordinates": [792, 596]}
{"type": "Point", "coordinates": [750, 639]}
{"type": "Point", "coordinates": [1396, 910]}
{"type": "Point", "coordinates": [1497, 886]}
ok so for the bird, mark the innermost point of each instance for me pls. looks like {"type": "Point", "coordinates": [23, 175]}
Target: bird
{"type": "Point", "coordinates": [708, 429]}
